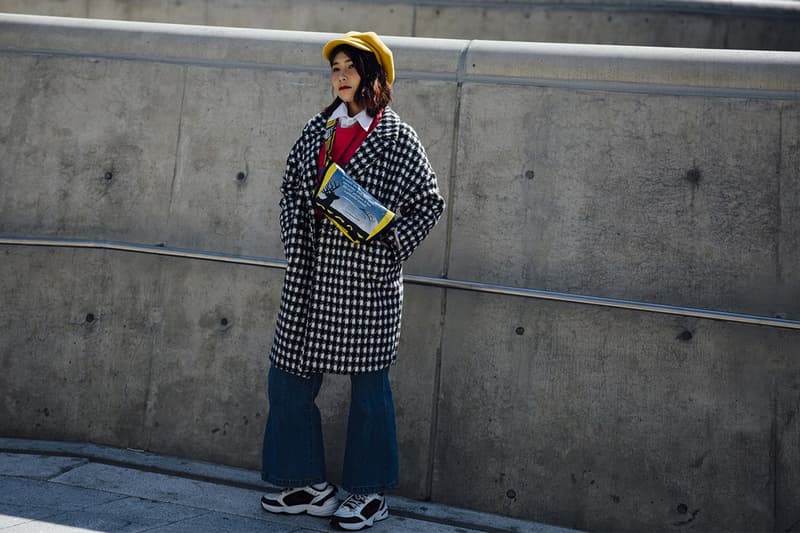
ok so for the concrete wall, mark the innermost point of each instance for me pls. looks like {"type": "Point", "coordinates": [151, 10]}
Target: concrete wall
{"type": "Point", "coordinates": [745, 24]}
{"type": "Point", "coordinates": [660, 175]}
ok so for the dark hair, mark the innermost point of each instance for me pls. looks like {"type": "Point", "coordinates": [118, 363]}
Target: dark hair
{"type": "Point", "coordinates": [374, 92]}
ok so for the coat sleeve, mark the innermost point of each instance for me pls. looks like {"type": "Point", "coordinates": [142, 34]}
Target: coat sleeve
{"type": "Point", "coordinates": [294, 220]}
{"type": "Point", "coordinates": [422, 204]}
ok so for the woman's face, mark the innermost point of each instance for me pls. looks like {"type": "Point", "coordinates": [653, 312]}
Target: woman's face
{"type": "Point", "coordinates": [345, 81]}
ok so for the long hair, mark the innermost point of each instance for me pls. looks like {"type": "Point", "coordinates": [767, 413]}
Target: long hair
{"type": "Point", "coordinates": [374, 92]}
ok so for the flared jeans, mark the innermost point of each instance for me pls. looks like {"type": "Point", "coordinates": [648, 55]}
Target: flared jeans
{"type": "Point", "coordinates": [293, 454]}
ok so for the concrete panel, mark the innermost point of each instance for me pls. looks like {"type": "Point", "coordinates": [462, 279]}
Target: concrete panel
{"type": "Point", "coordinates": [206, 385]}
{"type": "Point", "coordinates": [172, 11]}
{"type": "Point", "coordinates": [789, 208]}
{"type": "Point", "coordinates": [237, 122]}
{"type": "Point", "coordinates": [786, 453]}
{"type": "Point", "coordinates": [414, 382]}
{"type": "Point", "coordinates": [76, 344]}
{"type": "Point", "coordinates": [167, 323]}
{"type": "Point", "coordinates": [337, 16]}
{"type": "Point", "coordinates": [652, 198]}
{"type": "Point", "coordinates": [89, 146]}
{"type": "Point", "coordinates": [54, 8]}
{"type": "Point", "coordinates": [788, 393]}
{"type": "Point", "coordinates": [754, 32]}
{"type": "Point", "coordinates": [553, 23]}
{"type": "Point", "coordinates": [609, 420]}
{"type": "Point", "coordinates": [10, 91]}
{"type": "Point", "coordinates": [429, 107]}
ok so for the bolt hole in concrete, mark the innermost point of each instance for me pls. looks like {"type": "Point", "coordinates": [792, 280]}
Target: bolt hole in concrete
{"type": "Point", "coordinates": [683, 508]}
{"type": "Point", "coordinates": [108, 175]}
{"type": "Point", "coordinates": [224, 325]}
{"type": "Point", "coordinates": [241, 176]}
{"type": "Point", "coordinates": [90, 318]}
{"type": "Point", "coordinates": [693, 175]}
{"type": "Point", "coordinates": [529, 174]}
{"type": "Point", "coordinates": [520, 330]}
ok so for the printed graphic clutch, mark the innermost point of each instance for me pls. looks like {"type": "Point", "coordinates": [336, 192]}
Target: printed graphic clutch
{"type": "Point", "coordinates": [349, 206]}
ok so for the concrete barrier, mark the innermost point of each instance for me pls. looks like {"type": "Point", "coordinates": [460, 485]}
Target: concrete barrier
{"type": "Point", "coordinates": [745, 24]}
{"type": "Point", "coordinates": [665, 176]}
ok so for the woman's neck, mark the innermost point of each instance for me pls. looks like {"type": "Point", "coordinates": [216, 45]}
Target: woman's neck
{"type": "Point", "coordinates": [353, 109]}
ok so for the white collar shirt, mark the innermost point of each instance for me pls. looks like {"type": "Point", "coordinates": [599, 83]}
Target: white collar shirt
{"type": "Point", "coordinates": [346, 121]}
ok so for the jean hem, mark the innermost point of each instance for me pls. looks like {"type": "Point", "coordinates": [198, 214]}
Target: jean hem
{"type": "Point", "coordinates": [291, 483]}
{"type": "Point", "coordinates": [371, 489]}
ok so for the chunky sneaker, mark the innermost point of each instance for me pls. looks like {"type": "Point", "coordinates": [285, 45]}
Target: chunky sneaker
{"type": "Point", "coordinates": [360, 511]}
{"type": "Point", "coordinates": [316, 502]}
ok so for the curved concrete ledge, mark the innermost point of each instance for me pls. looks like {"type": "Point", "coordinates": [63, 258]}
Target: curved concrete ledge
{"type": "Point", "coordinates": [707, 23]}
{"type": "Point", "coordinates": [150, 40]}
{"type": "Point", "coordinates": [467, 61]}
{"type": "Point", "coordinates": [686, 67]}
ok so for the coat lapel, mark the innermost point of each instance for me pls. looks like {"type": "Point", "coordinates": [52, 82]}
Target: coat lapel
{"type": "Point", "coordinates": [382, 136]}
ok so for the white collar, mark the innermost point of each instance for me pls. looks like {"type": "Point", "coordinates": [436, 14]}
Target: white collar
{"type": "Point", "coordinates": [362, 117]}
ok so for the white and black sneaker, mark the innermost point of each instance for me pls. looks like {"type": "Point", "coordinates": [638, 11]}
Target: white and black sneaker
{"type": "Point", "coordinates": [360, 511]}
{"type": "Point", "coordinates": [312, 499]}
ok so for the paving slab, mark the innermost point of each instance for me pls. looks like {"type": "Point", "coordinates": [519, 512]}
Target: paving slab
{"type": "Point", "coordinates": [56, 487]}
{"type": "Point", "coordinates": [37, 466]}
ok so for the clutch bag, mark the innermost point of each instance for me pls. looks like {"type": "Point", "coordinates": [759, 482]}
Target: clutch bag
{"type": "Point", "coordinates": [351, 208]}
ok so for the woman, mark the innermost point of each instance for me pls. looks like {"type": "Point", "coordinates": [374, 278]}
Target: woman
{"type": "Point", "coordinates": [341, 301]}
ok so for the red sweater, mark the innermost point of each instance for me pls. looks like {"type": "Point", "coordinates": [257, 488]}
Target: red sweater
{"type": "Point", "coordinates": [347, 141]}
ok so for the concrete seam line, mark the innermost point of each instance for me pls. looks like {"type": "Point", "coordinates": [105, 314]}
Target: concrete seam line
{"type": "Point", "coordinates": [475, 286]}
{"type": "Point", "coordinates": [445, 272]}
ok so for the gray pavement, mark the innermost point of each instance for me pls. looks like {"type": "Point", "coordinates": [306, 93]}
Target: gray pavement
{"type": "Point", "coordinates": [60, 487]}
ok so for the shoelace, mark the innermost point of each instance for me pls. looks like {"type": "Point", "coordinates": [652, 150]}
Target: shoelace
{"type": "Point", "coordinates": [284, 492]}
{"type": "Point", "coordinates": [354, 501]}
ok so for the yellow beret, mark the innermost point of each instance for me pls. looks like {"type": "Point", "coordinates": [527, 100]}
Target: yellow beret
{"type": "Point", "coordinates": [369, 42]}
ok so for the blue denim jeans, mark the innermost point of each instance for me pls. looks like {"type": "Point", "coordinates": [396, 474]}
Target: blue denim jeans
{"type": "Point", "coordinates": [294, 454]}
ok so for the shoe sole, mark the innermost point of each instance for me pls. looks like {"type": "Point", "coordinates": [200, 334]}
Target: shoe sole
{"type": "Point", "coordinates": [377, 517]}
{"type": "Point", "coordinates": [299, 509]}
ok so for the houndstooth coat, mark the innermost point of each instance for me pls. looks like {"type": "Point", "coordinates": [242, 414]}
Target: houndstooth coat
{"type": "Point", "coordinates": [341, 302]}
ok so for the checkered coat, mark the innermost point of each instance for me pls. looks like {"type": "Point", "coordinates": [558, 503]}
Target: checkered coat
{"type": "Point", "coordinates": [341, 302]}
